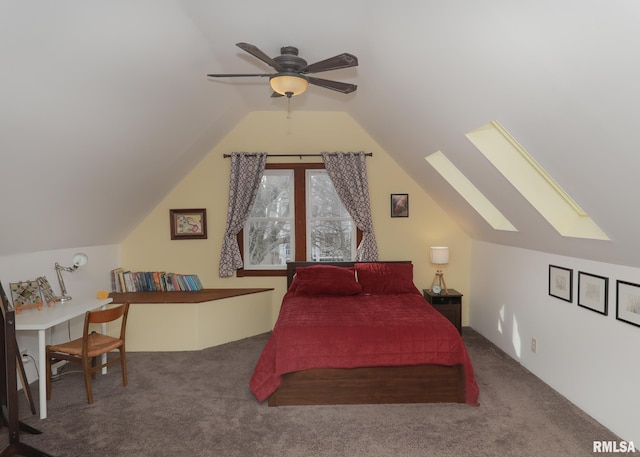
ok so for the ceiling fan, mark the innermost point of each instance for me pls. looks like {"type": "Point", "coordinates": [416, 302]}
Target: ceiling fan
{"type": "Point", "coordinates": [291, 76]}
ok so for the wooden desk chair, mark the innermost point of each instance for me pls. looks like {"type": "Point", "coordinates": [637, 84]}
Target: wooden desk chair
{"type": "Point", "coordinates": [91, 346]}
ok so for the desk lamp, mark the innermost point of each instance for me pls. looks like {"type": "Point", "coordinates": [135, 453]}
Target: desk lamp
{"type": "Point", "coordinates": [79, 260]}
{"type": "Point", "coordinates": [439, 256]}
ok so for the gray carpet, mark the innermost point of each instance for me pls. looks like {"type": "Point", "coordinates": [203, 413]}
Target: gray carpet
{"type": "Point", "coordinates": [199, 404]}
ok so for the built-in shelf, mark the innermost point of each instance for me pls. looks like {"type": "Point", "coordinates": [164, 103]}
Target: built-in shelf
{"type": "Point", "coordinates": [194, 296]}
{"type": "Point", "coordinates": [194, 320]}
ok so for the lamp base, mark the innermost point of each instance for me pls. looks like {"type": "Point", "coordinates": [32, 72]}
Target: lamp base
{"type": "Point", "coordinates": [439, 279]}
{"type": "Point", "coordinates": [64, 298]}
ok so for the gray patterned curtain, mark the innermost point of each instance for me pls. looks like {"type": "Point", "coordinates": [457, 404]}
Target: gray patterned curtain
{"type": "Point", "coordinates": [246, 174]}
{"type": "Point", "coordinates": [348, 172]}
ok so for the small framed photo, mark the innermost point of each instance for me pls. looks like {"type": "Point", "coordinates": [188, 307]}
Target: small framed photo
{"type": "Point", "coordinates": [628, 302]}
{"type": "Point", "coordinates": [188, 224]}
{"type": "Point", "coordinates": [593, 292]}
{"type": "Point", "coordinates": [561, 283]}
{"type": "Point", "coordinates": [46, 290]}
{"type": "Point", "coordinates": [25, 294]}
{"type": "Point", "coordinates": [399, 205]}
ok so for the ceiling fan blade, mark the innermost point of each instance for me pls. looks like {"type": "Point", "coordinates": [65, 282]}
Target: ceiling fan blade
{"type": "Point", "coordinates": [345, 88]}
{"type": "Point", "coordinates": [235, 75]}
{"type": "Point", "coordinates": [333, 63]}
{"type": "Point", "coordinates": [255, 52]}
{"type": "Point", "coordinates": [276, 95]}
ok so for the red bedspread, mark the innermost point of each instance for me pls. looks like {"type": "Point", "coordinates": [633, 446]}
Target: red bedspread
{"type": "Point", "coordinates": [356, 331]}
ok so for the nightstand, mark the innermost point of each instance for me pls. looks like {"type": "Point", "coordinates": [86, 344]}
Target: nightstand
{"type": "Point", "coordinates": [449, 305]}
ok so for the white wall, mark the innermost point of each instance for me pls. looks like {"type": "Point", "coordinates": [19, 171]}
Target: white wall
{"type": "Point", "coordinates": [589, 358]}
{"type": "Point", "coordinates": [84, 282]}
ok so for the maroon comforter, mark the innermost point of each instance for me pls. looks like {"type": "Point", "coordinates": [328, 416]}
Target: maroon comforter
{"type": "Point", "coordinates": [357, 331]}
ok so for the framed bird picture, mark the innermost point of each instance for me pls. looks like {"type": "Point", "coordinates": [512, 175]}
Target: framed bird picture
{"type": "Point", "coordinates": [188, 224]}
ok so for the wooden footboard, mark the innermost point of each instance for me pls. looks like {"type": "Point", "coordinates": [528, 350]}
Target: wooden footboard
{"type": "Point", "coordinates": [372, 385]}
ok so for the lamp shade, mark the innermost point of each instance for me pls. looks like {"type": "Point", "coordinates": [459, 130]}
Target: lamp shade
{"type": "Point", "coordinates": [439, 255]}
{"type": "Point", "coordinates": [80, 259]}
{"type": "Point", "coordinates": [285, 84]}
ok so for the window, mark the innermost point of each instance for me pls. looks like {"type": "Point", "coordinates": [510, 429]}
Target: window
{"type": "Point", "coordinates": [269, 228]}
{"type": "Point", "coordinates": [469, 192]}
{"type": "Point", "coordinates": [533, 182]}
{"type": "Point", "coordinates": [297, 216]}
{"type": "Point", "coordinates": [330, 229]}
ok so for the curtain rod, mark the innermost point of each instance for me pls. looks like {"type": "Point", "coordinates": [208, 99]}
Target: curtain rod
{"type": "Point", "coordinates": [226, 156]}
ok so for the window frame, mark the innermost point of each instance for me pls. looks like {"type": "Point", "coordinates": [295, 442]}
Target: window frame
{"type": "Point", "coordinates": [300, 219]}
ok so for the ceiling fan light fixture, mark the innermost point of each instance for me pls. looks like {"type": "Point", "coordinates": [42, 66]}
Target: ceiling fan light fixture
{"type": "Point", "coordinates": [289, 84]}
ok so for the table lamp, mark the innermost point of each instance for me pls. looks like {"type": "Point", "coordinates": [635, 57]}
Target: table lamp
{"type": "Point", "coordinates": [439, 256]}
{"type": "Point", "coordinates": [79, 260]}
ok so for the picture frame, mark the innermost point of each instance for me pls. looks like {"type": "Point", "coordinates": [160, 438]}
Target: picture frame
{"type": "Point", "coordinates": [628, 302]}
{"type": "Point", "coordinates": [25, 294]}
{"type": "Point", "coordinates": [399, 205]}
{"type": "Point", "coordinates": [46, 290]}
{"type": "Point", "coordinates": [593, 292]}
{"type": "Point", "coordinates": [561, 283]}
{"type": "Point", "coordinates": [188, 224]}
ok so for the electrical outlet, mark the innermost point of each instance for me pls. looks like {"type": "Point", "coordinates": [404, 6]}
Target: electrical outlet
{"type": "Point", "coordinates": [534, 345]}
{"type": "Point", "coordinates": [25, 356]}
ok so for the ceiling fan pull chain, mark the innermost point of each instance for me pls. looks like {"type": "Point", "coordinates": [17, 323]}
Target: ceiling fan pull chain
{"type": "Point", "coordinates": [288, 106]}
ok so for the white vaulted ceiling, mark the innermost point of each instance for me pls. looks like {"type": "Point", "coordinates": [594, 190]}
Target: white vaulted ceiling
{"type": "Point", "coordinates": [104, 106]}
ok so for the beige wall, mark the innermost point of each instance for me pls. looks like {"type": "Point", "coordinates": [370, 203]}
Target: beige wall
{"type": "Point", "coordinates": [149, 246]}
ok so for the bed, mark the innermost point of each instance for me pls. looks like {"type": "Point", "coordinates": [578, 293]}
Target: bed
{"type": "Point", "coordinates": [360, 333]}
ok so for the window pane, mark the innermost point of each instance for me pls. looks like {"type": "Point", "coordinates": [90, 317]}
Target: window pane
{"type": "Point", "coordinates": [273, 196]}
{"type": "Point", "coordinates": [330, 230]}
{"type": "Point", "coordinates": [269, 243]}
{"type": "Point", "coordinates": [332, 240]}
{"type": "Point", "coordinates": [324, 198]}
{"type": "Point", "coordinates": [268, 236]}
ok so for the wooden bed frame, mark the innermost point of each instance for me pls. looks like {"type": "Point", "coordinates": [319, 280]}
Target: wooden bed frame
{"type": "Point", "coordinates": [369, 385]}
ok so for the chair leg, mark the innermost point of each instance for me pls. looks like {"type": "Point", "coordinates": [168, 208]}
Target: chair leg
{"type": "Point", "coordinates": [94, 361]}
{"type": "Point", "coordinates": [123, 363]}
{"type": "Point", "coordinates": [48, 374]}
{"type": "Point", "coordinates": [87, 379]}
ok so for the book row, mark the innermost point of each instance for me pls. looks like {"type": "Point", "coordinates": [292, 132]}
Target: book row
{"type": "Point", "coordinates": [152, 281]}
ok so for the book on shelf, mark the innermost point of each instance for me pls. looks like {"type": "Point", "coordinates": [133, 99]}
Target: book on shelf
{"type": "Point", "coordinates": [123, 281]}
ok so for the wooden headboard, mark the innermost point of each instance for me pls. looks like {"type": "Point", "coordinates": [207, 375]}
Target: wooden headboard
{"type": "Point", "coordinates": [291, 266]}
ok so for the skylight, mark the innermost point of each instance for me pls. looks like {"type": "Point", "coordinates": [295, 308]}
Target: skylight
{"type": "Point", "coordinates": [469, 192]}
{"type": "Point", "coordinates": [533, 182]}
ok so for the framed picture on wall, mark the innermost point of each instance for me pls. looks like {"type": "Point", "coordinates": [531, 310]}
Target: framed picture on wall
{"type": "Point", "coordinates": [188, 224]}
{"type": "Point", "coordinates": [561, 283]}
{"type": "Point", "coordinates": [399, 205]}
{"type": "Point", "coordinates": [628, 302]}
{"type": "Point", "coordinates": [593, 292]}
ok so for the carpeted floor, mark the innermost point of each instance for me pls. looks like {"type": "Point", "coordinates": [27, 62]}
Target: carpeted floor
{"type": "Point", "coordinates": [198, 404]}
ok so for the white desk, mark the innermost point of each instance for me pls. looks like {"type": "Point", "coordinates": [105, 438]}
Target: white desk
{"type": "Point", "coordinates": [57, 313]}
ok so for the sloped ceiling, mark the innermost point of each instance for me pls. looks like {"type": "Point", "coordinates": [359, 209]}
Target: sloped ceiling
{"type": "Point", "coordinates": [104, 106]}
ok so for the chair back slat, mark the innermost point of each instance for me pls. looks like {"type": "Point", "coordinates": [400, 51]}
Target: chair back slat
{"type": "Point", "coordinates": [106, 315]}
